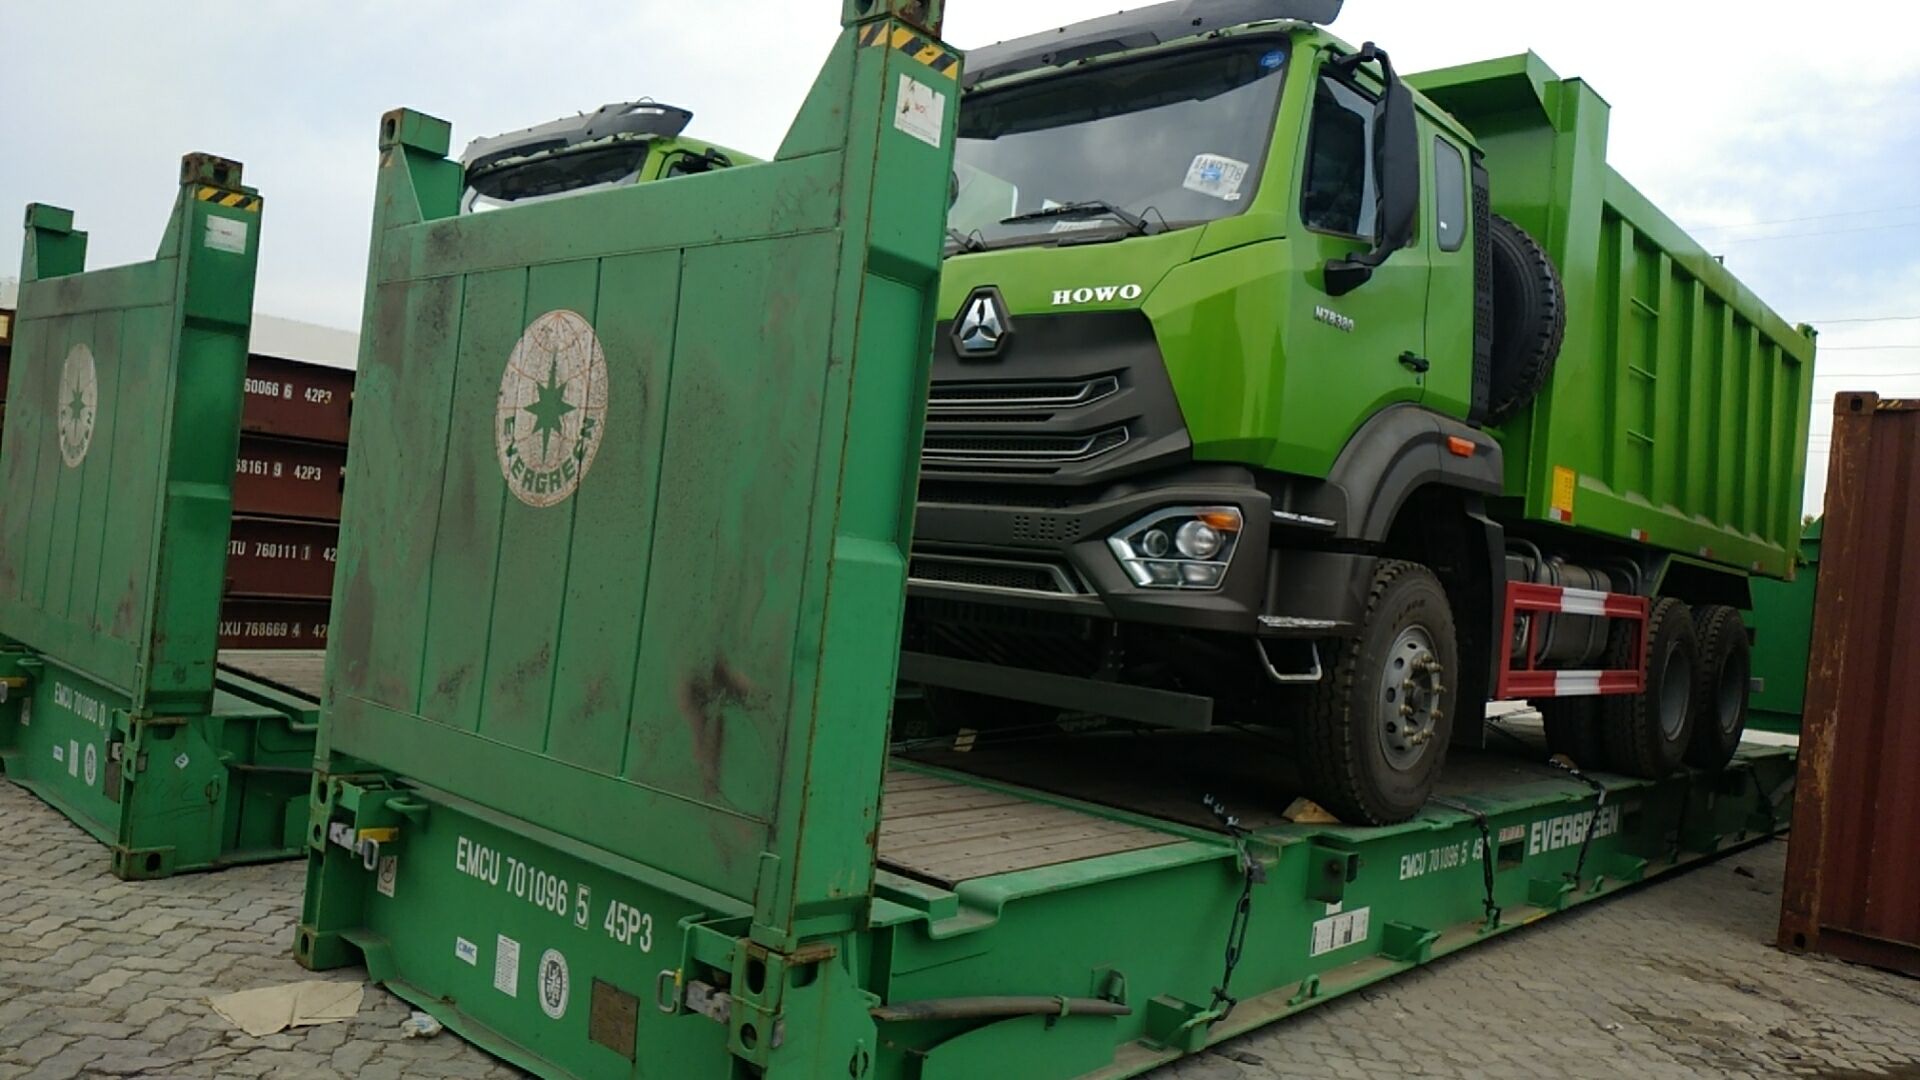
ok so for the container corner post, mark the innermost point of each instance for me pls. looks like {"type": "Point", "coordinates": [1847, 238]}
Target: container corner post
{"type": "Point", "coordinates": [925, 14]}
{"type": "Point", "coordinates": [53, 248]}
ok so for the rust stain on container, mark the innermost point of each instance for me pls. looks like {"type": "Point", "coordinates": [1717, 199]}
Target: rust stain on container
{"type": "Point", "coordinates": [1853, 879]}
{"type": "Point", "coordinates": [281, 478]}
{"type": "Point", "coordinates": [273, 624]}
{"type": "Point", "coordinates": [280, 558]}
{"type": "Point", "coordinates": [293, 400]}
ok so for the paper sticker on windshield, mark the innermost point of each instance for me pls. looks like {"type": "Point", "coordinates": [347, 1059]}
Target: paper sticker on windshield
{"type": "Point", "coordinates": [1084, 224]}
{"type": "Point", "coordinates": [1220, 177]}
{"type": "Point", "coordinates": [922, 111]}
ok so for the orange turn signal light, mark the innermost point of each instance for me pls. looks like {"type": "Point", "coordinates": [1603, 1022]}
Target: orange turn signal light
{"type": "Point", "coordinates": [1221, 520]}
{"type": "Point", "coordinates": [1460, 447]}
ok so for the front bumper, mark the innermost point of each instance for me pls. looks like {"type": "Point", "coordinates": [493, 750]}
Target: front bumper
{"type": "Point", "coordinates": [1056, 558]}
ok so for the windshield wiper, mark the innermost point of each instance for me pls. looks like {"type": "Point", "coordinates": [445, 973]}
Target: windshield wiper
{"type": "Point", "coordinates": [969, 242]}
{"type": "Point", "coordinates": [1086, 208]}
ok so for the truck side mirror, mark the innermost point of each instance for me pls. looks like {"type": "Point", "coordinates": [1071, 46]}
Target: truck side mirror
{"type": "Point", "coordinates": [1396, 164]}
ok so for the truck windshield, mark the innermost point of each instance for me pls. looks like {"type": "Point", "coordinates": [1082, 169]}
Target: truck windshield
{"type": "Point", "coordinates": [1180, 137]}
{"type": "Point", "coordinates": [571, 173]}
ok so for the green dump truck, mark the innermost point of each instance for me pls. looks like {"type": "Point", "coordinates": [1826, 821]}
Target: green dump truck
{"type": "Point", "coordinates": [616, 145]}
{"type": "Point", "coordinates": [1276, 390]}
{"type": "Point", "coordinates": [116, 492]}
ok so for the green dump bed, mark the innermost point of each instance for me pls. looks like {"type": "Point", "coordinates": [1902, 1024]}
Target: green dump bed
{"type": "Point", "coordinates": [1678, 412]}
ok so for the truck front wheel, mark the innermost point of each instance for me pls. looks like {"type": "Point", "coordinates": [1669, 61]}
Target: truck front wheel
{"type": "Point", "coordinates": [1377, 725]}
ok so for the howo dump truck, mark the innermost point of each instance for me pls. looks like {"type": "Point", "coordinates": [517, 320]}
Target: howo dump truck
{"type": "Point", "coordinates": [604, 777]}
{"type": "Point", "coordinates": [1277, 391]}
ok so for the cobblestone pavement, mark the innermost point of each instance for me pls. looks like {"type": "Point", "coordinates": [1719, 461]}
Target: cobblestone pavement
{"type": "Point", "coordinates": [106, 978]}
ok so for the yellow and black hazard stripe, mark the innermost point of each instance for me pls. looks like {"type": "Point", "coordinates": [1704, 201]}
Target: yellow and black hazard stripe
{"type": "Point", "coordinates": [234, 199]}
{"type": "Point", "coordinates": [920, 49]}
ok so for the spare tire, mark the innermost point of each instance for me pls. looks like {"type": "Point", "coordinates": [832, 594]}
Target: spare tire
{"type": "Point", "coordinates": [1529, 319]}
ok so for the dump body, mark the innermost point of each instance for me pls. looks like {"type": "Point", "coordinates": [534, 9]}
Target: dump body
{"type": "Point", "coordinates": [1677, 414]}
{"type": "Point", "coordinates": [116, 473]}
{"type": "Point", "coordinates": [1853, 887]}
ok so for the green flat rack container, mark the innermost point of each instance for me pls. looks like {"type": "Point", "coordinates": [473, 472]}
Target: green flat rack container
{"type": "Point", "coordinates": [616, 624]}
{"type": "Point", "coordinates": [1782, 622]}
{"type": "Point", "coordinates": [116, 478]}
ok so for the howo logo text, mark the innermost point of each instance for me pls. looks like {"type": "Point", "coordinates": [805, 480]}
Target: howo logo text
{"type": "Point", "coordinates": [1102, 293]}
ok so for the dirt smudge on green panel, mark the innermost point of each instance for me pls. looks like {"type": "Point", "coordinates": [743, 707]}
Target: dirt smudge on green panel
{"type": "Point", "coordinates": [443, 242]}
{"type": "Point", "coordinates": [531, 668]}
{"type": "Point", "coordinates": [596, 696]}
{"type": "Point", "coordinates": [447, 690]}
{"type": "Point", "coordinates": [704, 701]}
{"type": "Point", "coordinates": [355, 629]}
{"type": "Point", "coordinates": [124, 610]}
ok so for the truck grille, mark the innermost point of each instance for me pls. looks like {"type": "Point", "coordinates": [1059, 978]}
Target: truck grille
{"type": "Point", "coordinates": [1075, 399]}
{"type": "Point", "coordinates": [968, 399]}
{"type": "Point", "coordinates": [998, 575]}
{"type": "Point", "coordinates": [1020, 450]}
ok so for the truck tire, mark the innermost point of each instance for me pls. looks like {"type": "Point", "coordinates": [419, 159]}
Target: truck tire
{"type": "Point", "coordinates": [1647, 733]}
{"type": "Point", "coordinates": [1721, 687]}
{"type": "Point", "coordinates": [1378, 723]}
{"type": "Point", "coordinates": [1573, 731]}
{"type": "Point", "coordinates": [1529, 319]}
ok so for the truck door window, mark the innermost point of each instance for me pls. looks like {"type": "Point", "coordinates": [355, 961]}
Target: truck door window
{"type": "Point", "coordinates": [1338, 195]}
{"type": "Point", "coordinates": [1449, 194]}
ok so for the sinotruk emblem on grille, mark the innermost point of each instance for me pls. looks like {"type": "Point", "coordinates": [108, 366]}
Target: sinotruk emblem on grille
{"type": "Point", "coordinates": [983, 327]}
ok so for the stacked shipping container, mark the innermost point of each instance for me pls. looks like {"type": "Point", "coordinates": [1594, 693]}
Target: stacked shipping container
{"type": "Point", "coordinates": [286, 500]}
{"type": "Point", "coordinates": [286, 505]}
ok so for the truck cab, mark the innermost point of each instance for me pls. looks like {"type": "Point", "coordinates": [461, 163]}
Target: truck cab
{"type": "Point", "coordinates": [1161, 345]}
{"type": "Point", "coordinates": [623, 143]}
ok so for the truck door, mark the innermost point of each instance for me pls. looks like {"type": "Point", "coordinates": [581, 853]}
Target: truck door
{"type": "Point", "coordinates": [1450, 246]}
{"type": "Point", "coordinates": [1349, 356]}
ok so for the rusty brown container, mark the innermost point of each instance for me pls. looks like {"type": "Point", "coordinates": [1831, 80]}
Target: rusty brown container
{"type": "Point", "coordinates": [281, 558]}
{"type": "Point", "coordinates": [1853, 860]}
{"type": "Point", "coordinates": [273, 624]}
{"type": "Point", "coordinates": [283, 478]}
{"type": "Point", "coordinates": [293, 400]}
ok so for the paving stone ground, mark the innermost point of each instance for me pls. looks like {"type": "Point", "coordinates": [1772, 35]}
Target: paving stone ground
{"type": "Point", "coordinates": [101, 978]}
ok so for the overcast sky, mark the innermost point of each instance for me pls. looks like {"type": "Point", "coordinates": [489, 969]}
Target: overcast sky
{"type": "Point", "coordinates": [1786, 135]}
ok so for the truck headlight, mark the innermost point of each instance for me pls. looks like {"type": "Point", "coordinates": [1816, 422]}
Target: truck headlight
{"type": "Point", "coordinates": [1179, 548]}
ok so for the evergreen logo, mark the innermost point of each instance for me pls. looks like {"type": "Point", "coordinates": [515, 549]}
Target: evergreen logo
{"type": "Point", "coordinates": [553, 409]}
{"type": "Point", "coordinates": [79, 404]}
{"type": "Point", "coordinates": [554, 990]}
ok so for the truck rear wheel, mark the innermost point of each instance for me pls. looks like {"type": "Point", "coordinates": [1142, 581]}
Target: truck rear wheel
{"type": "Point", "coordinates": [1529, 319]}
{"type": "Point", "coordinates": [1377, 725]}
{"type": "Point", "coordinates": [1573, 731]}
{"type": "Point", "coordinates": [1720, 690]}
{"type": "Point", "coordinates": [1647, 733]}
